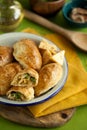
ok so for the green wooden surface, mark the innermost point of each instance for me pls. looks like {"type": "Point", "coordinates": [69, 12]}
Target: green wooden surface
{"type": "Point", "coordinates": [79, 120]}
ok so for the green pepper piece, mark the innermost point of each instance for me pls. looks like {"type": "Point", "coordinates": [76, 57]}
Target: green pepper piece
{"type": "Point", "coordinates": [26, 76]}
{"type": "Point", "coordinates": [16, 95]}
{"type": "Point", "coordinates": [33, 79]}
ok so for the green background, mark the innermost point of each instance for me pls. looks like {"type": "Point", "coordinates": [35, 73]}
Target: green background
{"type": "Point", "coordinates": [79, 119]}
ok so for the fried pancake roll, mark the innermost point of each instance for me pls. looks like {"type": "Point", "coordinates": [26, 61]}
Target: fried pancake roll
{"type": "Point", "coordinates": [27, 77]}
{"type": "Point", "coordinates": [6, 55]}
{"type": "Point", "coordinates": [20, 93]}
{"type": "Point", "coordinates": [27, 54]}
{"type": "Point", "coordinates": [49, 76]}
{"type": "Point", "coordinates": [7, 73]}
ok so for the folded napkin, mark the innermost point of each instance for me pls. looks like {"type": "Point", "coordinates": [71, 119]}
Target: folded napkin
{"type": "Point", "coordinates": [74, 92]}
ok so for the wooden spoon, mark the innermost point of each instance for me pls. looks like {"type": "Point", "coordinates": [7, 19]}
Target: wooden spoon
{"type": "Point", "coordinates": [77, 38]}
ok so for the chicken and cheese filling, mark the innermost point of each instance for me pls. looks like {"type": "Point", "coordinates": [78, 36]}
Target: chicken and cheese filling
{"type": "Point", "coordinates": [25, 79]}
{"type": "Point", "coordinates": [18, 93]}
{"type": "Point", "coordinates": [17, 96]}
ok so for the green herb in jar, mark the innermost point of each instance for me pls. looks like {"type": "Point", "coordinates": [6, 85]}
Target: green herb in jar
{"type": "Point", "coordinates": [11, 15]}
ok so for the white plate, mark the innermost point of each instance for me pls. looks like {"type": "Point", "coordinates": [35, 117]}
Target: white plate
{"type": "Point", "coordinates": [8, 40]}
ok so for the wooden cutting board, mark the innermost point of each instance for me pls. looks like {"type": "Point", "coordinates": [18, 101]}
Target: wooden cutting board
{"type": "Point", "coordinates": [23, 116]}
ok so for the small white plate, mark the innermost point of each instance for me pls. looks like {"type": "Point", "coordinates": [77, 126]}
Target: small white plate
{"type": "Point", "coordinates": [9, 39]}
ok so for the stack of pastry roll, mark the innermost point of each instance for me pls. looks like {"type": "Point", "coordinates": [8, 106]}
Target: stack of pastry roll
{"type": "Point", "coordinates": [37, 69]}
{"type": "Point", "coordinates": [23, 85]}
{"type": "Point", "coordinates": [28, 55]}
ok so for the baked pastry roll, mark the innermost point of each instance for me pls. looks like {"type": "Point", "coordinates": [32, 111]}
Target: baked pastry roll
{"type": "Point", "coordinates": [46, 57]}
{"type": "Point", "coordinates": [20, 93]}
{"type": "Point", "coordinates": [49, 76]}
{"type": "Point", "coordinates": [7, 73]}
{"type": "Point", "coordinates": [27, 53]}
{"type": "Point", "coordinates": [27, 77]}
{"type": "Point", "coordinates": [6, 55]}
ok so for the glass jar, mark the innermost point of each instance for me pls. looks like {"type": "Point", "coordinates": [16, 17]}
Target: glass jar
{"type": "Point", "coordinates": [11, 14]}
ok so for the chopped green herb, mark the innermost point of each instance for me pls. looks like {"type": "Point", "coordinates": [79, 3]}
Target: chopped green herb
{"type": "Point", "coordinates": [33, 79]}
{"type": "Point", "coordinates": [16, 95]}
{"type": "Point", "coordinates": [26, 76]}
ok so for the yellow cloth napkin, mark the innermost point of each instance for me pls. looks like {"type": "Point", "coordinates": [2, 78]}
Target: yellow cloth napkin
{"type": "Point", "coordinates": [74, 92]}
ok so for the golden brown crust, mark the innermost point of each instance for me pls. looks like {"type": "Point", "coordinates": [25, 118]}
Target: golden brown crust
{"type": "Point", "coordinates": [49, 76]}
{"type": "Point", "coordinates": [26, 80]}
{"type": "Point", "coordinates": [6, 55]}
{"type": "Point", "coordinates": [27, 53]}
{"type": "Point", "coordinates": [46, 57]}
{"type": "Point", "coordinates": [7, 73]}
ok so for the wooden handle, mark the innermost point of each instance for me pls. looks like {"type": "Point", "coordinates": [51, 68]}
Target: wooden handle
{"type": "Point", "coordinates": [78, 39]}
{"type": "Point", "coordinates": [46, 23]}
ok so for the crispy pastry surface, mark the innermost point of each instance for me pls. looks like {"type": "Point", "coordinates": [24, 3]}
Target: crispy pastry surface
{"type": "Point", "coordinates": [6, 55]}
{"type": "Point", "coordinates": [49, 76]}
{"type": "Point", "coordinates": [7, 73]}
{"type": "Point", "coordinates": [27, 54]}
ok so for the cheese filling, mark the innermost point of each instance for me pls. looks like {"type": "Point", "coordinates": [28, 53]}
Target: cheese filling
{"type": "Point", "coordinates": [16, 96]}
{"type": "Point", "coordinates": [26, 79]}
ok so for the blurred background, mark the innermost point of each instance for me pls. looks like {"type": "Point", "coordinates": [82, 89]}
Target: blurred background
{"type": "Point", "coordinates": [25, 3]}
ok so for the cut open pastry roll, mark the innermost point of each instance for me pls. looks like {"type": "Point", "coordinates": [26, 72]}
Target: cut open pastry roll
{"type": "Point", "coordinates": [7, 74]}
{"type": "Point", "coordinates": [20, 93]}
{"type": "Point", "coordinates": [27, 77]}
{"type": "Point", "coordinates": [49, 76]}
